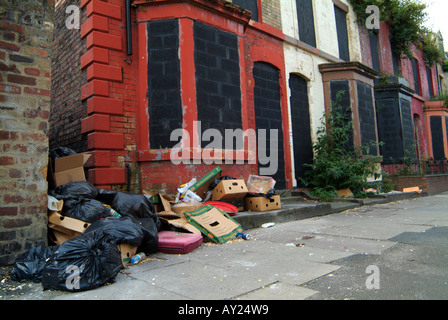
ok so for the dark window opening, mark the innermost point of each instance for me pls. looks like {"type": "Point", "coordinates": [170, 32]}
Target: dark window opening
{"type": "Point", "coordinates": [305, 19]}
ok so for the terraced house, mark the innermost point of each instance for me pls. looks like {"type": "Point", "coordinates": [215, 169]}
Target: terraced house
{"type": "Point", "coordinates": [138, 70]}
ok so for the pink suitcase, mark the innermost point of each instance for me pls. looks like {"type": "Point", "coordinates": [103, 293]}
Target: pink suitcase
{"type": "Point", "coordinates": [175, 242]}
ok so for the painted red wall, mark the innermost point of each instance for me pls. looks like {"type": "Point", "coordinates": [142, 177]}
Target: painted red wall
{"type": "Point", "coordinates": [115, 96]}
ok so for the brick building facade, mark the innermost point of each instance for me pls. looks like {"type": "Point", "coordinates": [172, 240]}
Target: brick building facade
{"type": "Point", "coordinates": [25, 83]}
{"type": "Point", "coordinates": [143, 72]}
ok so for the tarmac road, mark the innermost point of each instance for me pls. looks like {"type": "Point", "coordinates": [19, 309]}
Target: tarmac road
{"type": "Point", "coordinates": [397, 250]}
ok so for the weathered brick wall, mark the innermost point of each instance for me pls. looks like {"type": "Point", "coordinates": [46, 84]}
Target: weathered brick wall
{"type": "Point", "coordinates": [25, 82]}
{"type": "Point", "coordinates": [66, 106]}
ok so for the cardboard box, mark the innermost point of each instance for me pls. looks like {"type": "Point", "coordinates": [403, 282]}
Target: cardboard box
{"type": "Point", "coordinates": [168, 216]}
{"type": "Point", "coordinates": [229, 189]}
{"type": "Point", "coordinates": [127, 251]}
{"type": "Point", "coordinates": [214, 223]}
{"type": "Point", "coordinates": [185, 207]}
{"type": "Point", "coordinates": [202, 185]}
{"type": "Point", "coordinates": [65, 224]}
{"type": "Point", "coordinates": [68, 169]}
{"type": "Point", "coordinates": [262, 203]}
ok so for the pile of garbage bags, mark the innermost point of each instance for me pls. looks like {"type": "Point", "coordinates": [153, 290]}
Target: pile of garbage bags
{"type": "Point", "coordinates": [92, 258]}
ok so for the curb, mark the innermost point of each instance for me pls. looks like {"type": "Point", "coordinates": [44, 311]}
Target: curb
{"type": "Point", "coordinates": [295, 209]}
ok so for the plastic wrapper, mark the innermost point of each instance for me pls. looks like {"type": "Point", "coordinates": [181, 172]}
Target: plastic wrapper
{"type": "Point", "coordinates": [83, 263]}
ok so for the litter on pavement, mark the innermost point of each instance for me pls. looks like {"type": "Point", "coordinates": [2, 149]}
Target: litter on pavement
{"type": "Point", "coordinates": [96, 232]}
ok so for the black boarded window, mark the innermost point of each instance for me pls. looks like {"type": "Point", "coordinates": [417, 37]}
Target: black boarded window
{"type": "Point", "coordinates": [305, 19]}
{"type": "Point", "coordinates": [218, 90]}
{"type": "Point", "coordinates": [164, 95]}
{"type": "Point", "coordinates": [341, 28]}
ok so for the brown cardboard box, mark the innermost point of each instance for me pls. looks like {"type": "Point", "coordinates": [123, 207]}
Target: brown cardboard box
{"type": "Point", "coordinates": [262, 203]}
{"type": "Point", "coordinates": [168, 216]}
{"type": "Point", "coordinates": [68, 169]}
{"type": "Point", "coordinates": [65, 224]}
{"type": "Point", "coordinates": [229, 189]}
{"type": "Point", "coordinates": [127, 251]}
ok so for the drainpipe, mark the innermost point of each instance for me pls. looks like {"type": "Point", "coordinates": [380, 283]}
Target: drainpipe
{"type": "Point", "coordinates": [128, 28]}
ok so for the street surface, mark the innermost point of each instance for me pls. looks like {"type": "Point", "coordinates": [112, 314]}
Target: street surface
{"type": "Point", "coordinates": [397, 250]}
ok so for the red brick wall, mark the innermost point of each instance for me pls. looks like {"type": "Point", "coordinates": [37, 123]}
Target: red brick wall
{"type": "Point", "coordinates": [25, 82]}
{"type": "Point", "coordinates": [431, 184]}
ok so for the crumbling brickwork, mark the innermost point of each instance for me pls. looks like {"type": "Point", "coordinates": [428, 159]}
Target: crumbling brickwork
{"type": "Point", "coordinates": [25, 83]}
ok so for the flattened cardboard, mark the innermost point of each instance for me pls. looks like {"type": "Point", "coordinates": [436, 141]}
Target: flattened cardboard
{"type": "Point", "coordinates": [230, 189]}
{"type": "Point", "coordinates": [202, 185]}
{"type": "Point", "coordinates": [262, 203]}
{"type": "Point", "coordinates": [69, 169]}
{"type": "Point", "coordinates": [182, 208]}
{"type": "Point", "coordinates": [214, 223]}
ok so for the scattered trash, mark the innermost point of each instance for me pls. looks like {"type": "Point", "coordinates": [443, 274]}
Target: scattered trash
{"type": "Point", "coordinates": [268, 225]}
{"type": "Point", "coordinates": [137, 258]}
{"type": "Point", "coordinates": [96, 232]}
{"type": "Point", "coordinates": [243, 236]}
{"type": "Point", "coordinates": [412, 189]}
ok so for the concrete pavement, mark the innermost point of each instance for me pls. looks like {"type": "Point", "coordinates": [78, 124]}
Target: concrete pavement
{"type": "Point", "coordinates": [279, 263]}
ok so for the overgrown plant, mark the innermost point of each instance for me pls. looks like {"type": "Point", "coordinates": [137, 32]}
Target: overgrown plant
{"type": "Point", "coordinates": [337, 164]}
{"type": "Point", "coordinates": [406, 19]}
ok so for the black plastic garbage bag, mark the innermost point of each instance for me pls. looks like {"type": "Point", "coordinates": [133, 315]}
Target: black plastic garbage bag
{"type": "Point", "coordinates": [136, 205]}
{"type": "Point", "coordinates": [85, 262]}
{"type": "Point", "coordinates": [150, 241]}
{"type": "Point", "coordinates": [30, 264]}
{"type": "Point", "coordinates": [122, 229]}
{"type": "Point", "coordinates": [60, 152]}
{"type": "Point", "coordinates": [88, 210]}
{"type": "Point", "coordinates": [106, 195]}
{"type": "Point", "coordinates": [75, 189]}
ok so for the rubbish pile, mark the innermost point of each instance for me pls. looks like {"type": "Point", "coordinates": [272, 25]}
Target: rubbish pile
{"type": "Point", "coordinates": [96, 232]}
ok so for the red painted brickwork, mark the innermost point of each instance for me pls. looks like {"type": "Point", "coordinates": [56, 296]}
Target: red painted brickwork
{"type": "Point", "coordinates": [113, 117]}
{"type": "Point", "coordinates": [25, 71]}
{"type": "Point", "coordinates": [406, 71]}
